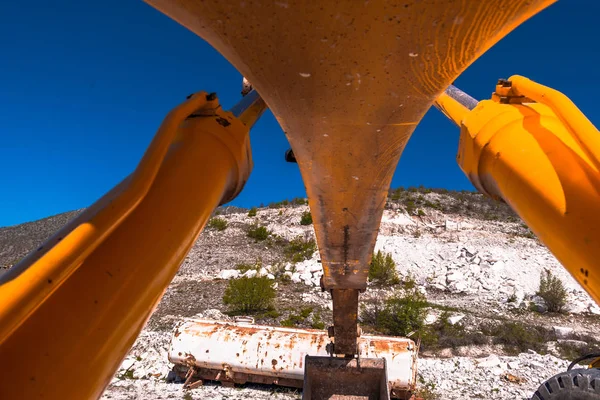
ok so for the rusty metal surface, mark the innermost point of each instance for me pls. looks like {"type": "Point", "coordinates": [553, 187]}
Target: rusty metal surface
{"type": "Point", "coordinates": [229, 377]}
{"type": "Point", "coordinates": [345, 314]}
{"type": "Point", "coordinates": [253, 353]}
{"type": "Point", "coordinates": [349, 81]}
{"type": "Point", "coordinates": [332, 378]}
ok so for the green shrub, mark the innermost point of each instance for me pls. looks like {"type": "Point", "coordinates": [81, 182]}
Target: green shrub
{"type": "Point", "coordinates": [429, 204]}
{"type": "Point", "coordinates": [410, 207]}
{"type": "Point", "coordinates": [291, 321]}
{"type": "Point", "coordinates": [423, 189]}
{"type": "Point", "coordinates": [516, 337]}
{"type": "Point", "coordinates": [409, 282]}
{"type": "Point", "coordinates": [420, 213]}
{"type": "Point", "coordinates": [257, 232]}
{"type": "Point", "coordinates": [252, 212]}
{"type": "Point", "coordinates": [272, 313]}
{"type": "Point", "coordinates": [383, 269]}
{"type": "Point", "coordinates": [245, 267]}
{"type": "Point", "coordinates": [306, 218]}
{"type": "Point", "coordinates": [128, 374]}
{"type": "Point", "coordinates": [396, 194]}
{"type": "Point", "coordinates": [249, 295]}
{"type": "Point", "coordinates": [217, 223]}
{"type": "Point", "coordinates": [426, 390]}
{"type": "Point", "coordinates": [299, 201]}
{"type": "Point", "coordinates": [553, 291]}
{"type": "Point", "coordinates": [442, 334]}
{"type": "Point", "coordinates": [300, 249]}
{"type": "Point", "coordinates": [316, 321]}
{"type": "Point", "coordinates": [402, 314]}
{"type": "Point", "coordinates": [278, 270]}
{"type": "Point", "coordinates": [580, 346]}
{"type": "Point", "coordinates": [297, 319]}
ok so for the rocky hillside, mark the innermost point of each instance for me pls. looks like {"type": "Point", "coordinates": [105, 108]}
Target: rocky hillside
{"type": "Point", "coordinates": [474, 261]}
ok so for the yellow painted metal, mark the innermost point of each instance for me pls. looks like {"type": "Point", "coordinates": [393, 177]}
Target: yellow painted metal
{"type": "Point", "coordinates": [451, 108]}
{"type": "Point", "coordinates": [575, 121]}
{"type": "Point", "coordinates": [541, 162]}
{"type": "Point", "coordinates": [71, 343]}
{"type": "Point", "coordinates": [349, 81]}
{"type": "Point", "coordinates": [23, 289]}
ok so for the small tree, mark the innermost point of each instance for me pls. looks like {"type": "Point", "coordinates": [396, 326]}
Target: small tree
{"type": "Point", "coordinates": [553, 291]}
{"type": "Point", "coordinates": [383, 269]}
{"type": "Point", "coordinates": [252, 212]}
{"type": "Point", "coordinates": [403, 313]}
{"type": "Point", "coordinates": [300, 249]}
{"type": "Point", "coordinates": [249, 295]}
{"type": "Point", "coordinates": [257, 232]}
{"type": "Point", "coordinates": [306, 218]}
{"type": "Point", "coordinates": [299, 201]}
{"type": "Point", "coordinates": [217, 223]}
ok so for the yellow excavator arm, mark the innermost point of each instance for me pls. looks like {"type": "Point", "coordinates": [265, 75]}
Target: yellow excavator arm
{"type": "Point", "coordinates": [71, 310]}
{"type": "Point", "coordinates": [531, 147]}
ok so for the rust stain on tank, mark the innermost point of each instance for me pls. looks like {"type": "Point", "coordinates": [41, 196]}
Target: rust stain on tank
{"type": "Point", "coordinates": [291, 343]}
{"type": "Point", "coordinates": [243, 330]}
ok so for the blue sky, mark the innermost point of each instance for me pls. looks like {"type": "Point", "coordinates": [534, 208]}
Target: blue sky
{"type": "Point", "coordinates": [84, 85]}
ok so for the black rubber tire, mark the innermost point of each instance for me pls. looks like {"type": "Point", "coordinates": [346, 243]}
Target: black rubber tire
{"type": "Point", "coordinates": [577, 384]}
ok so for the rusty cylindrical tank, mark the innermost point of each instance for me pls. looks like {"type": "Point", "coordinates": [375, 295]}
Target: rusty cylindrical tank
{"type": "Point", "coordinates": [243, 352]}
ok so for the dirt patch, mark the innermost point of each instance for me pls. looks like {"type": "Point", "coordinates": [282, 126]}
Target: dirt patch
{"type": "Point", "coordinates": [218, 250]}
{"type": "Point", "coordinates": [188, 298]}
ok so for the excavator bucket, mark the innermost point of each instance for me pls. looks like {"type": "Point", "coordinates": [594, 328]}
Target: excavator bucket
{"type": "Point", "coordinates": [345, 378]}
